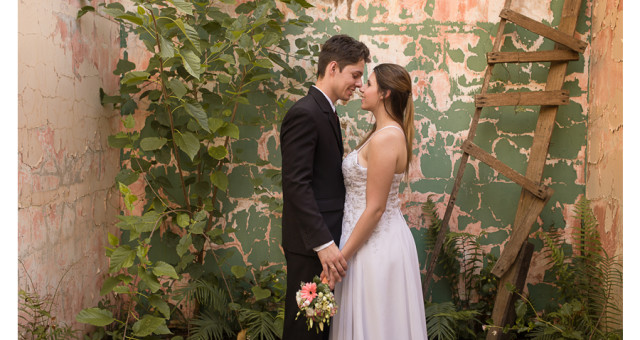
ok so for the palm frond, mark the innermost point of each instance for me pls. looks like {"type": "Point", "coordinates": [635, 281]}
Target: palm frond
{"type": "Point", "coordinates": [260, 325]}
{"type": "Point", "coordinates": [206, 294]}
{"type": "Point", "coordinates": [208, 326]}
{"type": "Point", "coordinates": [442, 319]}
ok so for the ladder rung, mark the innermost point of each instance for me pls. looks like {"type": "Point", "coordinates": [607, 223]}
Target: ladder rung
{"type": "Point", "coordinates": [537, 190]}
{"type": "Point", "coordinates": [531, 57]}
{"type": "Point", "coordinates": [544, 30]}
{"type": "Point", "coordinates": [560, 97]}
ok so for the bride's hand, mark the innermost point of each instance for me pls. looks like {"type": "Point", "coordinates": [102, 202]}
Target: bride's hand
{"type": "Point", "coordinates": [325, 279]}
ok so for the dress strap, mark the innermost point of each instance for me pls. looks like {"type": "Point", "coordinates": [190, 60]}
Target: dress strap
{"type": "Point", "coordinates": [371, 137]}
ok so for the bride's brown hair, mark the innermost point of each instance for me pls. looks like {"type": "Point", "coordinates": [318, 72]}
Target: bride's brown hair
{"type": "Point", "coordinates": [399, 105]}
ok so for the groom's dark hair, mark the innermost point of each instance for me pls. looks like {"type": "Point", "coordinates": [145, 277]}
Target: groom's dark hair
{"type": "Point", "coordinates": [342, 49]}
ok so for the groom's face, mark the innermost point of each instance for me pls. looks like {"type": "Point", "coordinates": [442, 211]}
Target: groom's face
{"type": "Point", "coordinates": [346, 82]}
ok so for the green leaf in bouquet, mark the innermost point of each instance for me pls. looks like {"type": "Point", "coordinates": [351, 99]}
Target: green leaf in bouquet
{"type": "Point", "coordinates": [95, 316]}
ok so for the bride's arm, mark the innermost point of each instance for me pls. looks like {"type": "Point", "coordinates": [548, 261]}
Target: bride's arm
{"type": "Point", "coordinates": [383, 152]}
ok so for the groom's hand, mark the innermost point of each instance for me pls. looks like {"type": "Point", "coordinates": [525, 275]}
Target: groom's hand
{"type": "Point", "coordinates": [333, 263]}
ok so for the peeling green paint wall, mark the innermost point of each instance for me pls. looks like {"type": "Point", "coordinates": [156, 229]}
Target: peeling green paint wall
{"type": "Point", "coordinates": [442, 44]}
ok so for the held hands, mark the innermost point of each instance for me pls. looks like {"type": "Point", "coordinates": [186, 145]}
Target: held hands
{"type": "Point", "coordinates": [334, 265]}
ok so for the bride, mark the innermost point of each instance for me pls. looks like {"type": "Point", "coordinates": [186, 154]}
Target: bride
{"type": "Point", "coordinates": [380, 297]}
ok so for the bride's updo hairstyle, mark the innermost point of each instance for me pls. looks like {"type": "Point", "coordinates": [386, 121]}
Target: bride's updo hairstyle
{"type": "Point", "coordinates": [399, 105]}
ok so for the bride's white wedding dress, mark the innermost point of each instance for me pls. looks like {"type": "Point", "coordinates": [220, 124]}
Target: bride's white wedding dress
{"type": "Point", "coordinates": [381, 295]}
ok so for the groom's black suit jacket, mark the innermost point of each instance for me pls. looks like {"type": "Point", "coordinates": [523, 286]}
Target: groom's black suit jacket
{"type": "Point", "coordinates": [312, 183]}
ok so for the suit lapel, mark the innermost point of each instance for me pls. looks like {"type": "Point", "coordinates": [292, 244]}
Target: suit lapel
{"type": "Point", "coordinates": [325, 107]}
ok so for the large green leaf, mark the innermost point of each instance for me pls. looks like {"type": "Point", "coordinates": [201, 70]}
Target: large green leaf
{"type": "Point", "coordinates": [149, 279]}
{"type": "Point", "coordinates": [177, 87]}
{"type": "Point", "coordinates": [190, 33]}
{"type": "Point", "coordinates": [122, 257]}
{"type": "Point", "coordinates": [150, 324]}
{"type": "Point", "coordinates": [124, 66]}
{"type": "Point", "coordinates": [134, 77]}
{"type": "Point", "coordinates": [95, 316]}
{"type": "Point", "coordinates": [260, 293]}
{"type": "Point", "coordinates": [120, 140]}
{"type": "Point", "coordinates": [127, 176]}
{"type": "Point", "coordinates": [166, 48]}
{"type": "Point", "coordinates": [220, 180]}
{"type": "Point", "coordinates": [188, 142]}
{"type": "Point", "coordinates": [214, 124]}
{"type": "Point", "coordinates": [161, 305]}
{"type": "Point", "coordinates": [164, 269]}
{"type": "Point", "coordinates": [191, 62]}
{"type": "Point", "coordinates": [195, 110]}
{"type": "Point", "coordinates": [230, 130]}
{"type": "Point", "coordinates": [198, 227]}
{"type": "Point", "coordinates": [84, 11]}
{"type": "Point", "coordinates": [183, 245]}
{"type": "Point", "coordinates": [218, 152]}
{"type": "Point", "coordinates": [239, 271]}
{"type": "Point", "coordinates": [108, 285]}
{"type": "Point", "coordinates": [131, 18]}
{"type": "Point", "coordinates": [183, 6]}
{"type": "Point", "coordinates": [152, 143]}
{"type": "Point", "coordinates": [264, 63]}
{"type": "Point", "coordinates": [113, 240]}
{"type": "Point", "coordinates": [182, 219]}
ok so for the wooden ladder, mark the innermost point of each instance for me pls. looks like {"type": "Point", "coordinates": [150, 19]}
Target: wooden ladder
{"type": "Point", "coordinates": [513, 265]}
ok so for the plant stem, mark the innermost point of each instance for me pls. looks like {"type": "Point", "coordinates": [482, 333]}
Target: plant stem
{"type": "Point", "coordinates": [169, 113]}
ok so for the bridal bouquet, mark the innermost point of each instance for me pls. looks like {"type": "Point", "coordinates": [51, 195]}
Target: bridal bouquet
{"type": "Point", "coordinates": [316, 302]}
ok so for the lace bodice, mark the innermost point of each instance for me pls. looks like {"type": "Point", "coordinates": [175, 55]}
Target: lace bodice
{"type": "Point", "coordinates": [355, 181]}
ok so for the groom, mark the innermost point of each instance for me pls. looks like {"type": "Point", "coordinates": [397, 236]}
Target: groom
{"type": "Point", "coordinates": [312, 184]}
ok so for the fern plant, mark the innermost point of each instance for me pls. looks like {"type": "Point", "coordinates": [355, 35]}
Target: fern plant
{"type": "Point", "coordinates": [36, 321]}
{"type": "Point", "coordinates": [467, 269]}
{"type": "Point", "coordinates": [586, 279]}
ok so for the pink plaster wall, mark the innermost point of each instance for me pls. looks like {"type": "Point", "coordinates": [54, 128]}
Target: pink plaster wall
{"type": "Point", "coordinates": [67, 200]}
{"type": "Point", "coordinates": [604, 139]}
